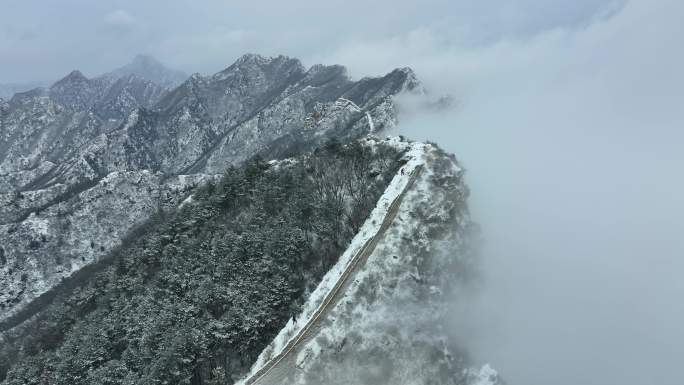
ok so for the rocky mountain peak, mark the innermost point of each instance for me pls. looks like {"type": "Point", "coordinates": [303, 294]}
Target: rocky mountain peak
{"type": "Point", "coordinates": [408, 78]}
{"type": "Point", "coordinates": [254, 63]}
{"type": "Point", "coordinates": [260, 60]}
{"type": "Point", "coordinates": [75, 91]}
{"type": "Point", "coordinates": [149, 68]}
{"type": "Point", "coordinates": [319, 73]}
{"type": "Point", "coordinates": [74, 78]}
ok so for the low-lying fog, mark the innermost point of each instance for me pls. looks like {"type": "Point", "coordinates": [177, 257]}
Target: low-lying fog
{"type": "Point", "coordinates": [574, 146]}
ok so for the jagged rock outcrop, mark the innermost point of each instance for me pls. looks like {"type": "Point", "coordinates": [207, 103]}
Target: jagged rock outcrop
{"type": "Point", "coordinates": [47, 134]}
{"type": "Point", "coordinates": [60, 148]}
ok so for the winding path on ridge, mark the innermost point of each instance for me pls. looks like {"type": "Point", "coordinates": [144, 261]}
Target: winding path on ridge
{"type": "Point", "coordinates": [275, 369]}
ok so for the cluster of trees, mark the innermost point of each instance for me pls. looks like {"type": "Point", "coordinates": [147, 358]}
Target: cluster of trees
{"type": "Point", "coordinates": [195, 295]}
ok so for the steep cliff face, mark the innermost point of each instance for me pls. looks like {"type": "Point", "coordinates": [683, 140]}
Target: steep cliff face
{"type": "Point", "coordinates": [61, 149]}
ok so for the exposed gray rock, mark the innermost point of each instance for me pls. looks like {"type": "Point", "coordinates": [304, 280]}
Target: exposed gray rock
{"type": "Point", "coordinates": [52, 243]}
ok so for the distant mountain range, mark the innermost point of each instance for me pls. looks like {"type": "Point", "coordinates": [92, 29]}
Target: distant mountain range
{"type": "Point", "coordinates": [7, 90]}
{"type": "Point", "coordinates": [85, 160]}
{"type": "Point", "coordinates": [142, 66]}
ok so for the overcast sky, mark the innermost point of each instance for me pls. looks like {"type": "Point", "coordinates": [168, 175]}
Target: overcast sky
{"type": "Point", "coordinates": [573, 141]}
{"type": "Point", "coordinates": [568, 121]}
{"type": "Point", "coordinates": [45, 39]}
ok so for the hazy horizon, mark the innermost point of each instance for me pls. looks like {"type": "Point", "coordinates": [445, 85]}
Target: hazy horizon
{"type": "Point", "coordinates": [40, 41]}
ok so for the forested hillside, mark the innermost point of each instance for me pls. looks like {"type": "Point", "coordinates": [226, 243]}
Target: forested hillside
{"type": "Point", "coordinates": [196, 293]}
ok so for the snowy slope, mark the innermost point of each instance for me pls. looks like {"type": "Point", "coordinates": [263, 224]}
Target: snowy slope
{"type": "Point", "coordinates": [414, 157]}
{"type": "Point", "coordinates": [388, 326]}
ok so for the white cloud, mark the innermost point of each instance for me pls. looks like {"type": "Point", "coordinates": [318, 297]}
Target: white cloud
{"type": "Point", "coordinates": [221, 45]}
{"type": "Point", "coordinates": [120, 19]}
{"type": "Point", "coordinates": [572, 139]}
{"type": "Point", "coordinates": [303, 28]}
{"type": "Point", "coordinates": [236, 36]}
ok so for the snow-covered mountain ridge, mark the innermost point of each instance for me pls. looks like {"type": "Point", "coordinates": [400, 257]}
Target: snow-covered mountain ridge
{"type": "Point", "coordinates": [60, 146]}
{"type": "Point", "coordinates": [379, 315]}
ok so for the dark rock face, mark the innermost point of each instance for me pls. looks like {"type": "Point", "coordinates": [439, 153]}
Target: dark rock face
{"type": "Point", "coordinates": [86, 160]}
